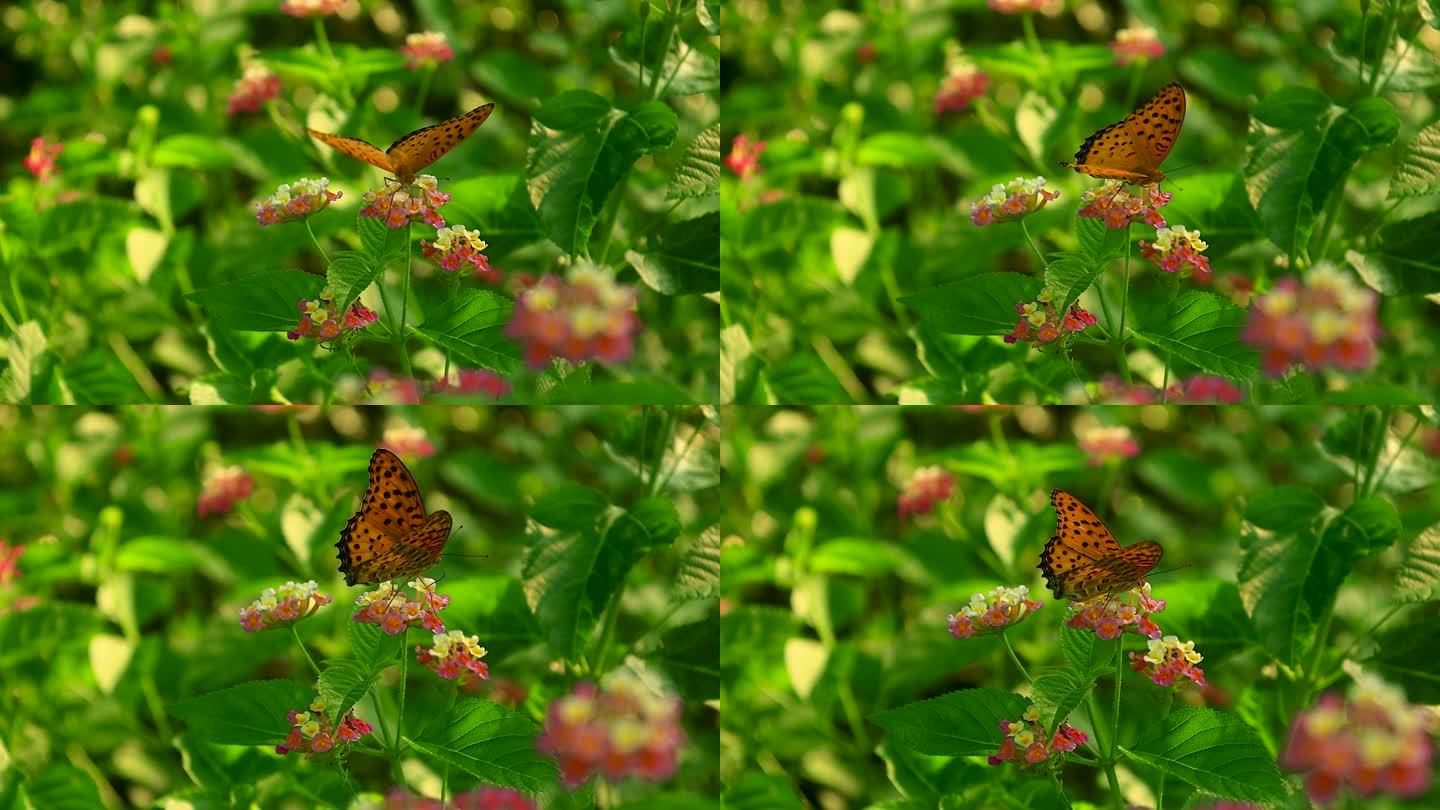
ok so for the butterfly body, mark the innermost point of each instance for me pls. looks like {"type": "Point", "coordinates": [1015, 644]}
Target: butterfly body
{"type": "Point", "coordinates": [1083, 559]}
{"type": "Point", "coordinates": [411, 153]}
{"type": "Point", "coordinates": [1133, 149]}
{"type": "Point", "coordinates": [391, 536]}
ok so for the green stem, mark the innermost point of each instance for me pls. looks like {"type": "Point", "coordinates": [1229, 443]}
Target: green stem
{"type": "Point", "coordinates": [1119, 336]}
{"type": "Point", "coordinates": [296, 634]}
{"type": "Point", "coordinates": [1033, 246]}
{"type": "Point", "coordinates": [426, 74]}
{"type": "Point", "coordinates": [669, 37]}
{"type": "Point", "coordinates": [1112, 758]}
{"type": "Point", "coordinates": [404, 674]}
{"type": "Point", "coordinates": [308, 230]}
{"type": "Point", "coordinates": [1107, 762]}
{"type": "Point", "coordinates": [1013, 657]}
{"type": "Point", "coordinates": [342, 75]}
{"type": "Point", "coordinates": [405, 302]}
{"type": "Point", "coordinates": [1165, 712]}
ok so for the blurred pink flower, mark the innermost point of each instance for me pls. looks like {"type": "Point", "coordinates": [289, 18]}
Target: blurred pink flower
{"type": "Point", "coordinates": [616, 731]}
{"type": "Point", "coordinates": [1328, 321]}
{"type": "Point", "coordinates": [744, 157]}
{"type": "Point", "coordinates": [963, 84]}
{"type": "Point", "coordinates": [312, 8]}
{"type": "Point", "coordinates": [1049, 8]}
{"type": "Point", "coordinates": [1136, 44]}
{"type": "Point", "coordinates": [41, 160]}
{"type": "Point", "coordinates": [473, 381]}
{"type": "Point", "coordinates": [258, 86]}
{"type": "Point", "coordinates": [9, 562]}
{"type": "Point", "coordinates": [585, 316]}
{"type": "Point", "coordinates": [1107, 443]}
{"type": "Point", "coordinates": [426, 49]}
{"type": "Point", "coordinates": [408, 440]}
{"type": "Point", "coordinates": [927, 487]}
{"type": "Point", "coordinates": [223, 488]}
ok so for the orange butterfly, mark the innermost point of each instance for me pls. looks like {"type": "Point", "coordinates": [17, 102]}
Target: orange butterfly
{"type": "Point", "coordinates": [407, 156]}
{"type": "Point", "coordinates": [391, 536]}
{"type": "Point", "coordinates": [1133, 149]}
{"type": "Point", "coordinates": [1084, 560]}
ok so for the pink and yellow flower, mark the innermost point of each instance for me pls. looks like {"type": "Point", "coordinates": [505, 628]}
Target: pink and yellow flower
{"type": "Point", "coordinates": [1040, 322]}
{"type": "Point", "coordinates": [1110, 616]}
{"type": "Point", "coordinates": [313, 732]}
{"type": "Point", "coordinates": [1012, 200]}
{"type": "Point", "coordinates": [1108, 443]}
{"type": "Point", "coordinates": [744, 157]}
{"type": "Point", "coordinates": [426, 49]}
{"type": "Point", "coordinates": [295, 201]}
{"type": "Point", "coordinates": [454, 656]}
{"type": "Point", "coordinates": [456, 246]}
{"type": "Point", "coordinates": [927, 487]}
{"type": "Point", "coordinates": [1326, 321]}
{"type": "Point", "coordinates": [283, 606]}
{"type": "Point", "coordinates": [408, 440]}
{"type": "Point", "coordinates": [223, 488]}
{"type": "Point", "coordinates": [1136, 44]}
{"type": "Point", "coordinates": [398, 204]}
{"type": "Point", "coordinates": [992, 613]}
{"type": "Point", "coordinates": [41, 160]}
{"type": "Point", "coordinates": [256, 87]}
{"type": "Point", "coordinates": [1168, 660]}
{"type": "Point", "coordinates": [393, 610]}
{"type": "Point", "coordinates": [964, 83]}
{"type": "Point", "coordinates": [620, 730]}
{"type": "Point", "coordinates": [1028, 744]}
{"type": "Point", "coordinates": [1118, 204]}
{"type": "Point", "coordinates": [320, 320]}
{"type": "Point", "coordinates": [585, 316]}
{"type": "Point", "coordinates": [1175, 248]}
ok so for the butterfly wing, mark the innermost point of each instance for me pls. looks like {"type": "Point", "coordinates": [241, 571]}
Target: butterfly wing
{"type": "Point", "coordinates": [1080, 539]}
{"type": "Point", "coordinates": [1113, 573]}
{"type": "Point", "coordinates": [356, 148]}
{"type": "Point", "coordinates": [391, 535]}
{"type": "Point", "coordinates": [1133, 149]}
{"type": "Point", "coordinates": [426, 145]}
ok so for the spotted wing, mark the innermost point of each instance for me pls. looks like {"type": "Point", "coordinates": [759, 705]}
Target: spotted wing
{"type": "Point", "coordinates": [1080, 539]}
{"type": "Point", "coordinates": [1156, 124]}
{"type": "Point", "coordinates": [391, 536]}
{"type": "Point", "coordinates": [1113, 573]}
{"type": "Point", "coordinates": [356, 148]}
{"type": "Point", "coordinates": [426, 145]}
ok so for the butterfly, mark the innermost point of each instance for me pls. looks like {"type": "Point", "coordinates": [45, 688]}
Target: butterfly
{"type": "Point", "coordinates": [1084, 560]}
{"type": "Point", "coordinates": [407, 156]}
{"type": "Point", "coordinates": [391, 536]}
{"type": "Point", "coordinates": [1132, 150]}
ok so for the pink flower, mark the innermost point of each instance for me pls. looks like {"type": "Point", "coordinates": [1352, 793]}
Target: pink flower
{"type": "Point", "coordinates": [483, 797]}
{"type": "Point", "coordinates": [865, 54]}
{"type": "Point", "coordinates": [1175, 248]}
{"type": "Point", "coordinates": [1111, 616]}
{"type": "Point", "coordinates": [927, 487]}
{"type": "Point", "coordinates": [408, 440]}
{"type": "Point", "coordinates": [278, 607]}
{"type": "Point", "coordinates": [313, 731]}
{"type": "Point", "coordinates": [1047, 7]}
{"type": "Point", "coordinates": [472, 381]}
{"type": "Point", "coordinates": [382, 387]}
{"type": "Point", "coordinates": [319, 319]}
{"type": "Point", "coordinates": [621, 730]}
{"type": "Point", "coordinates": [399, 204]}
{"type": "Point", "coordinates": [393, 610]}
{"type": "Point", "coordinates": [312, 8]}
{"type": "Point", "coordinates": [986, 614]}
{"type": "Point", "coordinates": [1201, 388]}
{"type": "Point", "coordinates": [426, 49]}
{"type": "Point", "coordinates": [454, 656]}
{"type": "Point", "coordinates": [744, 157]}
{"type": "Point", "coordinates": [41, 160]}
{"type": "Point", "coordinates": [1375, 742]}
{"type": "Point", "coordinates": [1108, 443]}
{"type": "Point", "coordinates": [1136, 44]}
{"type": "Point", "coordinates": [295, 202]}
{"type": "Point", "coordinates": [1041, 323]}
{"type": "Point", "coordinates": [223, 488]}
{"type": "Point", "coordinates": [586, 316]}
{"type": "Point", "coordinates": [1167, 660]}
{"type": "Point", "coordinates": [1028, 734]}
{"type": "Point", "coordinates": [258, 86]}
{"type": "Point", "coordinates": [1328, 321]}
{"type": "Point", "coordinates": [454, 247]}
{"type": "Point", "coordinates": [1118, 205]}
{"type": "Point", "coordinates": [964, 84]}
{"type": "Point", "coordinates": [1012, 200]}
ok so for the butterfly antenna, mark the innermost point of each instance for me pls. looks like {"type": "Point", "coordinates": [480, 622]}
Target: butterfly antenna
{"type": "Point", "coordinates": [1168, 570]}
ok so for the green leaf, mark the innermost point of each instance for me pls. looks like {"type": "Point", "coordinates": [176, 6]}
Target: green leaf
{"type": "Point", "coordinates": [1366, 527]}
{"type": "Point", "coordinates": [569, 506]}
{"type": "Point", "coordinates": [377, 240]}
{"type": "Point", "coordinates": [158, 555]}
{"type": "Point", "coordinates": [699, 574]}
{"type": "Point", "coordinates": [655, 520]}
{"type": "Point", "coordinates": [963, 723]}
{"type": "Point", "coordinates": [348, 275]}
{"type": "Point", "coordinates": [1419, 171]}
{"type": "Point", "coordinates": [1418, 579]}
{"type": "Point", "coordinates": [1203, 329]}
{"type": "Point", "coordinates": [62, 787]}
{"type": "Point", "coordinates": [1288, 582]}
{"type": "Point", "coordinates": [1292, 107]}
{"type": "Point", "coordinates": [853, 555]}
{"type": "Point", "coordinates": [472, 326]}
{"type": "Point", "coordinates": [698, 174]}
{"type": "Point", "coordinates": [573, 109]}
{"type": "Point", "coordinates": [896, 150]}
{"type": "Point", "coordinates": [571, 174]}
{"type": "Point", "coordinates": [260, 302]}
{"type": "Point", "coordinates": [1062, 689]}
{"type": "Point", "coordinates": [1068, 277]}
{"type": "Point", "coordinates": [1215, 751]}
{"type": "Point", "coordinates": [96, 378]}
{"type": "Point", "coordinates": [569, 578]}
{"type": "Point", "coordinates": [978, 305]}
{"type": "Point", "coordinates": [249, 714]}
{"type": "Point", "coordinates": [755, 790]}
{"type": "Point", "coordinates": [1403, 260]}
{"type": "Point", "coordinates": [1099, 243]}
{"type": "Point", "coordinates": [685, 258]}
{"type": "Point", "coordinates": [491, 743]}
{"type": "Point", "coordinates": [804, 379]}
{"type": "Point", "coordinates": [1284, 508]}
{"type": "Point", "coordinates": [690, 654]}
{"type": "Point", "coordinates": [191, 152]}
{"type": "Point", "coordinates": [39, 631]}
{"type": "Point", "coordinates": [26, 350]}
{"type": "Point", "coordinates": [1405, 656]}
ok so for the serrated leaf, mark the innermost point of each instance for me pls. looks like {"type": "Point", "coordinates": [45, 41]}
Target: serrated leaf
{"type": "Point", "coordinates": [699, 573]}
{"type": "Point", "coordinates": [1419, 171]}
{"type": "Point", "coordinates": [685, 258]}
{"type": "Point", "coordinates": [473, 327]}
{"type": "Point", "coordinates": [259, 302]}
{"type": "Point", "coordinates": [698, 174]}
{"type": "Point", "coordinates": [27, 347]}
{"type": "Point", "coordinates": [252, 713]}
{"type": "Point", "coordinates": [1204, 329]}
{"type": "Point", "coordinates": [963, 723]}
{"type": "Point", "coordinates": [978, 305]}
{"type": "Point", "coordinates": [491, 743]}
{"type": "Point", "coordinates": [1215, 751]}
{"type": "Point", "coordinates": [1068, 276]}
{"type": "Point", "coordinates": [1284, 508]}
{"type": "Point", "coordinates": [1419, 576]}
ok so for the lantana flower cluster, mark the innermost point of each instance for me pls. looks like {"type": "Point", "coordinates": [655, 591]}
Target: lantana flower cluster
{"type": "Point", "coordinates": [1047, 7]}
{"type": "Point", "coordinates": [1176, 248]}
{"type": "Point", "coordinates": [313, 732]}
{"type": "Point", "coordinates": [394, 610]}
{"type": "Point", "coordinates": [1028, 744]}
{"type": "Point", "coordinates": [1373, 743]}
{"type": "Point", "coordinates": [1136, 44]}
{"type": "Point", "coordinates": [9, 562]}
{"type": "Point", "coordinates": [1106, 443]}
{"type": "Point", "coordinates": [964, 83]}
{"type": "Point", "coordinates": [282, 606]}
{"type": "Point", "coordinates": [994, 612]}
{"type": "Point", "coordinates": [465, 381]}
{"type": "Point", "coordinates": [256, 87]}
{"type": "Point", "coordinates": [398, 204]}
{"type": "Point", "coordinates": [408, 440]}
{"type": "Point", "coordinates": [224, 487]}
{"type": "Point", "coordinates": [456, 246]}
{"type": "Point", "coordinates": [319, 319]}
{"type": "Point", "coordinates": [426, 49]}
{"type": "Point", "coordinates": [744, 157]}
{"type": "Point", "coordinates": [41, 159]}
{"type": "Point", "coordinates": [312, 8]}
{"type": "Point", "coordinates": [295, 201]}
{"type": "Point", "coordinates": [454, 656]}
{"type": "Point", "coordinates": [1167, 660]}
{"type": "Point", "coordinates": [1040, 322]}
{"type": "Point", "coordinates": [1012, 200]}
{"type": "Point", "coordinates": [587, 315]}
{"type": "Point", "coordinates": [1111, 616]}
{"type": "Point", "coordinates": [1326, 321]}
{"type": "Point", "coordinates": [927, 487]}
{"type": "Point", "coordinates": [1118, 204]}
{"type": "Point", "coordinates": [617, 731]}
